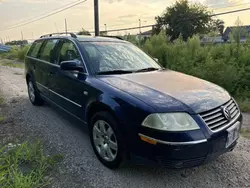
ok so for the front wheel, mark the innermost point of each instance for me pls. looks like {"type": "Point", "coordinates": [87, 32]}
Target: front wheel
{"type": "Point", "coordinates": [34, 95]}
{"type": "Point", "coordinates": [106, 140]}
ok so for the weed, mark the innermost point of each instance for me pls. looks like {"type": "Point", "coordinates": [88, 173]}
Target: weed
{"type": "Point", "coordinates": [22, 53]}
{"type": "Point", "coordinates": [10, 63]}
{"type": "Point", "coordinates": [244, 104]}
{"type": "Point", "coordinates": [15, 53]}
{"type": "Point", "coordinates": [25, 165]}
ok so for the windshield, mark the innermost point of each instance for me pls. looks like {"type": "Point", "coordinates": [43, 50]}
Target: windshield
{"type": "Point", "coordinates": [113, 56]}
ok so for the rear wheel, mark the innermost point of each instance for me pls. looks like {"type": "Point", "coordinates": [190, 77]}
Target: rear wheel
{"type": "Point", "coordinates": [106, 140]}
{"type": "Point", "coordinates": [34, 95]}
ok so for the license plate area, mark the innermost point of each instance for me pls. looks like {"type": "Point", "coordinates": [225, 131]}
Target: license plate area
{"type": "Point", "coordinates": [233, 134]}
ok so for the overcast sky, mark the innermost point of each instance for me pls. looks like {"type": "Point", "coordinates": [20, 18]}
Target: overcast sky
{"type": "Point", "coordinates": [114, 13]}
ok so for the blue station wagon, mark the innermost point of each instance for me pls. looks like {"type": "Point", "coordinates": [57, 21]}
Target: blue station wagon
{"type": "Point", "coordinates": [135, 109]}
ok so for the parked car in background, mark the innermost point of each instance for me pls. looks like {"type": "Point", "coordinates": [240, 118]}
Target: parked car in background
{"type": "Point", "coordinates": [4, 48]}
{"type": "Point", "coordinates": [134, 108]}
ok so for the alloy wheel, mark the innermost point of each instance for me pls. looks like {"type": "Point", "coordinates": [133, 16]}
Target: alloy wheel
{"type": "Point", "coordinates": [105, 140]}
{"type": "Point", "coordinates": [31, 91]}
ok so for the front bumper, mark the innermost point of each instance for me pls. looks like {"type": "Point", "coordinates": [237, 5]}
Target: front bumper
{"type": "Point", "coordinates": [183, 154]}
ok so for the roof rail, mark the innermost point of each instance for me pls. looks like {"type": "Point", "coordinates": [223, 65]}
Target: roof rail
{"type": "Point", "coordinates": [117, 37]}
{"type": "Point", "coordinates": [52, 34]}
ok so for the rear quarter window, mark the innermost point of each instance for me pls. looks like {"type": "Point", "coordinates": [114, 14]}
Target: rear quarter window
{"type": "Point", "coordinates": [34, 49]}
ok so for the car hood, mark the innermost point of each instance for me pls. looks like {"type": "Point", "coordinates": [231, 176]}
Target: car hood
{"type": "Point", "coordinates": [170, 90]}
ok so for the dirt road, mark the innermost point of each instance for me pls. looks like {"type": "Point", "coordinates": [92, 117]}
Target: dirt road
{"type": "Point", "coordinates": [81, 168]}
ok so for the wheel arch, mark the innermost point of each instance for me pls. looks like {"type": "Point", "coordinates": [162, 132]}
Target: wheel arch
{"type": "Point", "coordinates": [98, 106]}
{"type": "Point", "coordinates": [28, 76]}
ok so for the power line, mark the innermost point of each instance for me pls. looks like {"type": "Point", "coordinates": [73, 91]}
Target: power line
{"type": "Point", "coordinates": [218, 14]}
{"type": "Point", "coordinates": [122, 29]}
{"type": "Point", "coordinates": [146, 26]}
{"type": "Point", "coordinates": [45, 16]}
{"type": "Point", "coordinates": [45, 13]}
{"type": "Point", "coordinates": [130, 28]}
{"type": "Point", "coordinates": [232, 6]}
{"type": "Point", "coordinates": [230, 12]}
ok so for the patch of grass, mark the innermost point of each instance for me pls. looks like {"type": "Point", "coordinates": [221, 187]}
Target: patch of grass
{"type": "Point", "coordinates": [245, 133]}
{"type": "Point", "coordinates": [25, 165]}
{"type": "Point", "coordinates": [12, 64]}
{"type": "Point", "coordinates": [244, 104]}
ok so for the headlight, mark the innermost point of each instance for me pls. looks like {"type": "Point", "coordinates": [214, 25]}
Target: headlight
{"type": "Point", "coordinates": [171, 122]}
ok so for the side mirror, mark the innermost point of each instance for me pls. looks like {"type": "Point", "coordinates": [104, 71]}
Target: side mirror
{"type": "Point", "coordinates": [156, 59]}
{"type": "Point", "coordinates": [73, 65]}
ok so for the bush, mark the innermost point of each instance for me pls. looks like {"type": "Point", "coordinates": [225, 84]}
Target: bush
{"type": "Point", "coordinates": [22, 53]}
{"type": "Point", "coordinates": [12, 54]}
{"type": "Point", "coordinates": [227, 65]}
{"type": "Point", "coordinates": [16, 53]}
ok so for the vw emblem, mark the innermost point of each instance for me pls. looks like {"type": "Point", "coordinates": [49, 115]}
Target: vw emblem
{"type": "Point", "coordinates": [226, 113]}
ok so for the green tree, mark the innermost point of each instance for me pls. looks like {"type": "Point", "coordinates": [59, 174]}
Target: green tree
{"type": "Point", "coordinates": [184, 19]}
{"type": "Point", "coordinates": [218, 26]}
{"type": "Point", "coordinates": [83, 32]}
{"type": "Point", "coordinates": [159, 26]}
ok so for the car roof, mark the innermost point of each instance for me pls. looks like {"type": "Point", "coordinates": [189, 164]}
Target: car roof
{"type": "Point", "coordinates": [97, 39]}
{"type": "Point", "coordinates": [85, 38]}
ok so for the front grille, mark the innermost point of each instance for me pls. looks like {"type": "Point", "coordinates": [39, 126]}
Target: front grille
{"type": "Point", "coordinates": [216, 119]}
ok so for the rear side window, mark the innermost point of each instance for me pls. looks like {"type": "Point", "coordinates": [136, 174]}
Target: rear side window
{"type": "Point", "coordinates": [34, 49]}
{"type": "Point", "coordinates": [47, 53]}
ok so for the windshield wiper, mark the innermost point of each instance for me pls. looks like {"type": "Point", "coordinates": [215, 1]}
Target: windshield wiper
{"type": "Point", "coordinates": [115, 72]}
{"type": "Point", "coordinates": [148, 69]}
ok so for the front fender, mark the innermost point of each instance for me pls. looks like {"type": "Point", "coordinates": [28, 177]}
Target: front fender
{"type": "Point", "coordinates": [104, 102]}
{"type": "Point", "coordinates": [127, 111]}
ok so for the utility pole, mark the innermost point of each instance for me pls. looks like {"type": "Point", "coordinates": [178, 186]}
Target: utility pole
{"type": "Point", "coordinates": [96, 15]}
{"type": "Point", "coordinates": [22, 35]}
{"type": "Point", "coordinates": [139, 26]}
{"type": "Point", "coordinates": [66, 27]}
{"type": "Point", "coordinates": [105, 27]}
{"type": "Point", "coordinates": [22, 38]}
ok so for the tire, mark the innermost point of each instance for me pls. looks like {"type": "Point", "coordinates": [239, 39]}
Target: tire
{"type": "Point", "coordinates": [109, 155]}
{"type": "Point", "coordinates": [33, 92]}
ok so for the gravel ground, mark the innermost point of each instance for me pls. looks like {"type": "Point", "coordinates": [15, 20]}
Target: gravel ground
{"type": "Point", "coordinates": [80, 168]}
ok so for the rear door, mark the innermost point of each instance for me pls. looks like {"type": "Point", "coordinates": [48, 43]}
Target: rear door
{"type": "Point", "coordinates": [43, 60]}
{"type": "Point", "coordinates": [68, 87]}
{"type": "Point", "coordinates": [47, 62]}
